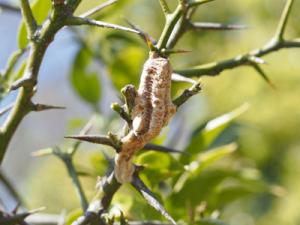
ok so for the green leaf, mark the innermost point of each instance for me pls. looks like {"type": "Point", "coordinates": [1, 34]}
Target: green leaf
{"type": "Point", "coordinates": [204, 160]}
{"type": "Point", "coordinates": [126, 67]}
{"type": "Point", "coordinates": [205, 134]}
{"type": "Point", "coordinates": [154, 160]}
{"type": "Point", "coordinates": [84, 81]}
{"type": "Point", "coordinates": [40, 9]}
{"type": "Point", "coordinates": [72, 216]}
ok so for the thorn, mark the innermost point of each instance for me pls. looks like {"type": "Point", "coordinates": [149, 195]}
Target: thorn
{"type": "Point", "coordinates": [179, 78]}
{"type": "Point", "coordinates": [150, 41]}
{"type": "Point", "coordinates": [15, 210]}
{"type": "Point", "coordinates": [138, 184]}
{"type": "Point", "coordinates": [96, 139]}
{"type": "Point", "coordinates": [23, 82]}
{"type": "Point", "coordinates": [263, 75]}
{"type": "Point", "coordinates": [37, 210]}
{"type": "Point", "coordinates": [42, 107]}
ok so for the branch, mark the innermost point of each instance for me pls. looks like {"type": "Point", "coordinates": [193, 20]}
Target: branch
{"type": "Point", "coordinates": [193, 3]}
{"type": "Point", "coordinates": [67, 159]}
{"type": "Point", "coordinates": [275, 44]}
{"type": "Point", "coordinates": [28, 17]}
{"type": "Point", "coordinates": [101, 202]}
{"type": "Point", "coordinates": [215, 68]}
{"type": "Point", "coordinates": [164, 6]}
{"type": "Point", "coordinates": [27, 83]}
{"type": "Point", "coordinates": [78, 21]}
{"type": "Point", "coordinates": [214, 26]}
{"type": "Point", "coordinates": [98, 8]}
{"type": "Point", "coordinates": [187, 94]}
{"type": "Point", "coordinates": [138, 184]}
{"type": "Point", "coordinates": [9, 7]}
{"type": "Point", "coordinates": [6, 109]}
{"type": "Point", "coordinates": [171, 21]}
{"type": "Point", "coordinates": [283, 20]}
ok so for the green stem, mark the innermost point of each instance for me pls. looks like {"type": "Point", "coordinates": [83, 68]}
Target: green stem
{"type": "Point", "coordinates": [30, 22]}
{"type": "Point", "coordinates": [215, 68]}
{"type": "Point", "coordinates": [284, 19]}
{"type": "Point", "coordinates": [38, 48]}
{"type": "Point", "coordinates": [73, 174]}
{"type": "Point", "coordinates": [171, 21]}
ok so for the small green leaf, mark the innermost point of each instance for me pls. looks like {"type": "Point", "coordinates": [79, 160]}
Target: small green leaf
{"type": "Point", "coordinates": [205, 134]}
{"type": "Point", "coordinates": [204, 160]}
{"type": "Point", "coordinates": [85, 82]}
{"type": "Point", "coordinates": [40, 9]}
{"type": "Point", "coordinates": [72, 216]}
{"type": "Point", "coordinates": [154, 160]}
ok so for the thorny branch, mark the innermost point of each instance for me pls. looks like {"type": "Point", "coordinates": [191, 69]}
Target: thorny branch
{"type": "Point", "coordinates": [177, 23]}
{"type": "Point", "coordinates": [39, 40]}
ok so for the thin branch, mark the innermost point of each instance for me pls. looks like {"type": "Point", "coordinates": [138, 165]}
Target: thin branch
{"type": "Point", "coordinates": [101, 202]}
{"type": "Point", "coordinates": [193, 3]}
{"type": "Point", "coordinates": [122, 112]}
{"type": "Point", "coordinates": [12, 61]}
{"type": "Point", "coordinates": [138, 184]}
{"type": "Point", "coordinates": [29, 19]}
{"type": "Point", "coordinates": [187, 94]}
{"type": "Point", "coordinates": [214, 26]}
{"type": "Point", "coordinates": [165, 7]}
{"type": "Point", "coordinates": [10, 187]}
{"type": "Point", "coordinates": [73, 174]}
{"type": "Point", "coordinates": [171, 21]}
{"type": "Point", "coordinates": [98, 8]}
{"type": "Point", "coordinates": [283, 20]}
{"type": "Point", "coordinates": [215, 68]}
{"type": "Point", "coordinates": [8, 7]}
{"type": "Point", "coordinates": [43, 107]}
{"type": "Point", "coordinates": [45, 36]}
{"type": "Point", "coordinates": [6, 109]}
{"type": "Point", "coordinates": [78, 21]}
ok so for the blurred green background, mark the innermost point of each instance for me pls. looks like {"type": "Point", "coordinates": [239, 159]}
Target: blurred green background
{"type": "Point", "coordinates": [256, 184]}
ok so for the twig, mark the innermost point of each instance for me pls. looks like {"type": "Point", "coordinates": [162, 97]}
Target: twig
{"type": "Point", "coordinates": [98, 8]}
{"type": "Point", "coordinates": [214, 26]}
{"type": "Point", "coordinates": [187, 94]}
{"type": "Point", "coordinates": [77, 21]}
{"type": "Point", "coordinates": [28, 17]}
{"type": "Point", "coordinates": [165, 7]}
{"type": "Point", "coordinates": [283, 20]}
{"type": "Point", "coordinates": [9, 7]}
{"type": "Point", "coordinates": [6, 109]}
{"type": "Point", "coordinates": [199, 2]}
{"type": "Point", "coordinates": [275, 44]}
{"type": "Point", "coordinates": [100, 203]}
{"type": "Point", "coordinates": [215, 68]}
